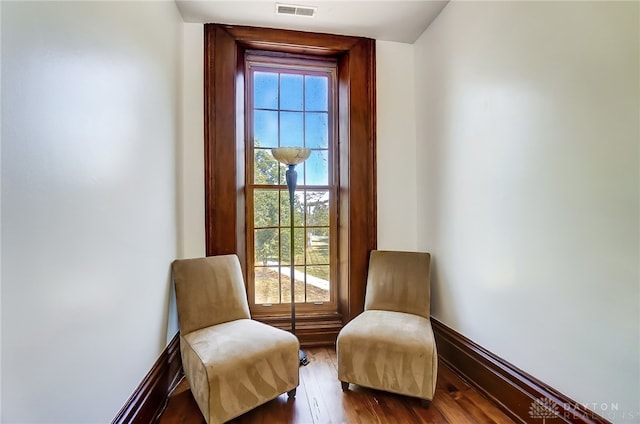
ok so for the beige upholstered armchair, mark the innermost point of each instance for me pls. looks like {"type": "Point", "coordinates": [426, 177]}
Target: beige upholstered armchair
{"type": "Point", "coordinates": [390, 346]}
{"type": "Point", "coordinates": [232, 363]}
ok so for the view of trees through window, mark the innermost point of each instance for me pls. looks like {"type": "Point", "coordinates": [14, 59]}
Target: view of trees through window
{"type": "Point", "coordinates": [290, 106]}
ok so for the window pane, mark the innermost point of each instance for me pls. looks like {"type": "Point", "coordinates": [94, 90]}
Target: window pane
{"type": "Point", "coordinates": [285, 247]}
{"type": "Point", "coordinates": [291, 129]}
{"type": "Point", "coordinates": [265, 90]}
{"type": "Point", "coordinates": [299, 236]}
{"type": "Point", "coordinates": [285, 285]}
{"type": "Point", "coordinates": [318, 246]}
{"type": "Point", "coordinates": [317, 168]}
{"type": "Point", "coordinates": [299, 284]}
{"type": "Point", "coordinates": [317, 204]}
{"type": "Point", "coordinates": [298, 208]}
{"type": "Point", "coordinates": [318, 284]}
{"type": "Point", "coordinates": [316, 129]}
{"type": "Point", "coordinates": [290, 109]}
{"type": "Point", "coordinates": [316, 93]}
{"type": "Point", "coordinates": [291, 92]}
{"type": "Point", "coordinates": [283, 175]}
{"type": "Point", "coordinates": [267, 285]}
{"type": "Point", "coordinates": [265, 167]}
{"type": "Point", "coordinates": [266, 246]}
{"type": "Point", "coordinates": [285, 206]}
{"type": "Point", "coordinates": [265, 128]}
{"type": "Point", "coordinates": [265, 208]}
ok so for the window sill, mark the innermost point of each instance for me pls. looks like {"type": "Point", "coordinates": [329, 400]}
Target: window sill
{"type": "Point", "coordinates": [311, 329]}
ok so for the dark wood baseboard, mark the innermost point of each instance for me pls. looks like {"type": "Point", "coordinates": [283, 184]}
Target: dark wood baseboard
{"type": "Point", "coordinates": [150, 398]}
{"type": "Point", "coordinates": [514, 391]}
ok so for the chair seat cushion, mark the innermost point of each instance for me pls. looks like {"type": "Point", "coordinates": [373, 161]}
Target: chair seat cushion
{"type": "Point", "coordinates": [238, 365]}
{"type": "Point", "coordinates": [390, 351]}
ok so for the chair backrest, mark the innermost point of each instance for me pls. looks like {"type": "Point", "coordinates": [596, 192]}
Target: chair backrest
{"type": "Point", "coordinates": [398, 281]}
{"type": "Point", "coordinates": [209, 291]}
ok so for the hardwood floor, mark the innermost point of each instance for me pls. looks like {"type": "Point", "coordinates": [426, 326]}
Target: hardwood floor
{"type": "Point", "coordinates": [320, 399]}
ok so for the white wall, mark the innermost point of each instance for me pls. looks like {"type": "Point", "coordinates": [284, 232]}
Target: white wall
{"type": "Point", "coordinates": [191, 161]}
{"type": "Point", "coordinates": [90, 113]}
{"type": "Point", "coordinates": [190, 157]}
{"type": "Point", "coordinates": [396, 146]}
{"type": "Point", "coordinates": [528, 122]}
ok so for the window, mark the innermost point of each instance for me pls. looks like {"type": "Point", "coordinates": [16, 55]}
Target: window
{"type": "Point", "coordinates": [290, 102]}
{"type": "Point", "coordinates": [352, 167]}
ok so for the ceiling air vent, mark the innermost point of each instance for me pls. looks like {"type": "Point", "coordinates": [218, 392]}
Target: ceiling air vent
{"type": "Point", "coordinates": [293, 10]}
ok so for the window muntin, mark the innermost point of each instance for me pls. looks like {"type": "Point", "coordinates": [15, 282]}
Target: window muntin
{"type": "Point", "coordinates": [291, 105]}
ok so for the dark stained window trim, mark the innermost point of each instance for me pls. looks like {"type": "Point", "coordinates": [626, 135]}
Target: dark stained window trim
{"type": "Point", "coordinates": [224, 144]}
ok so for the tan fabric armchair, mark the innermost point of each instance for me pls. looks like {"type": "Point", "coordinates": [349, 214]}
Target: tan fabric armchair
{"type": "Point", "coordinates": [232, 363]}
{"type": "Point", "coordinates": [390, 346]}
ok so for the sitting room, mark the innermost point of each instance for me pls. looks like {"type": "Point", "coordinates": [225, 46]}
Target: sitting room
{"type": "Point", "coordinates": [364, 211]}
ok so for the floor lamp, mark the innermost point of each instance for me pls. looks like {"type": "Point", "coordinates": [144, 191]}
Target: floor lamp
{"type": "Point", "coordinates": [291, 156]}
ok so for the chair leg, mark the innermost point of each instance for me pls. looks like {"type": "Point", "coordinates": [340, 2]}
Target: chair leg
{"type": "Point", "coordinates": [425, 403]}
{"type": "Point", "coordinates": [345, 386]}
{"type": "Point", "coordinates": [292, 393]}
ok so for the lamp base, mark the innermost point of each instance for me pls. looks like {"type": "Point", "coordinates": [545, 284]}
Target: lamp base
{"type": "Point", "coordinates": [303, 358]}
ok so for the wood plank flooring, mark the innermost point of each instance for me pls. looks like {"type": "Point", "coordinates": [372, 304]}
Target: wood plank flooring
{"type": "Point", "coordinates": [320, 400]}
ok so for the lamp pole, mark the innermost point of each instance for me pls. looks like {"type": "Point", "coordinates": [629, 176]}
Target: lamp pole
{"type": "Point", "coordinates": [291, 156]}
{"type": "Point", "coordinates": [292, 179]}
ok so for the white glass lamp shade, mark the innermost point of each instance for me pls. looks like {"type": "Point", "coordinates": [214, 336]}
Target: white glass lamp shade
{"type": "Point", "coordinates": [291, 155]}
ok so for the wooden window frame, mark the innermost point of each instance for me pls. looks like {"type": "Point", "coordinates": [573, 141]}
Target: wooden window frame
{"type": "Point", "coordinates": [224, 102]}
{"type": "Point", "coordinates": [300, 65]}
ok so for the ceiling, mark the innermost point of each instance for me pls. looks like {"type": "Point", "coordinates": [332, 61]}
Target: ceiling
{"type": "Point", "coordinates": [399, 20]}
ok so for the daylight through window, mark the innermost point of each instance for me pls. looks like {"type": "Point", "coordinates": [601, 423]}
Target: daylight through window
{"type": "Point", "coordinates": [290, 104]}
